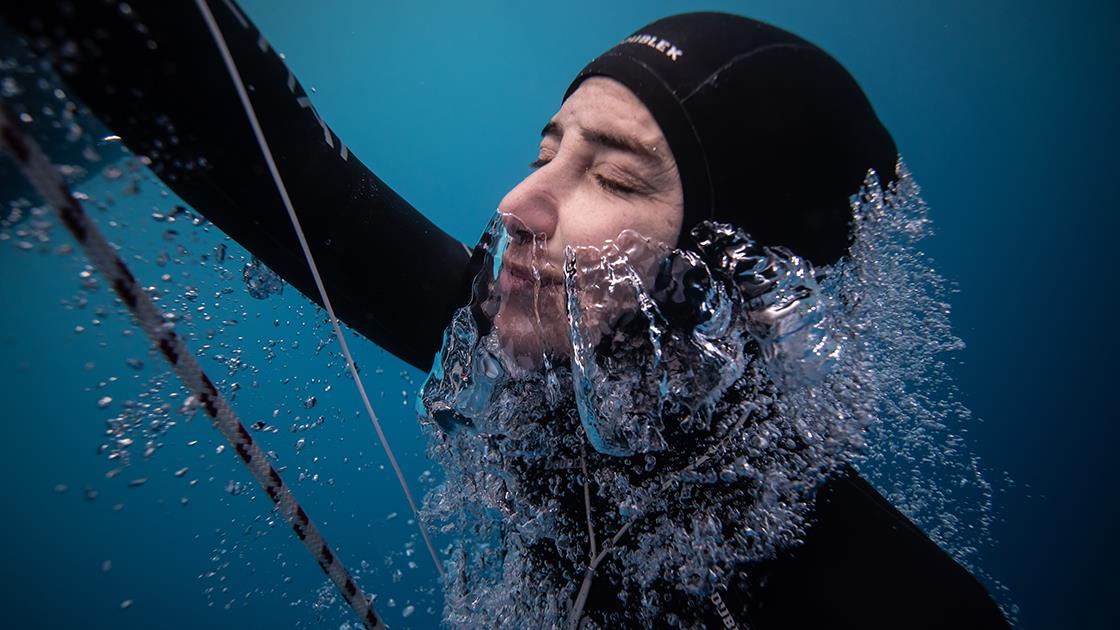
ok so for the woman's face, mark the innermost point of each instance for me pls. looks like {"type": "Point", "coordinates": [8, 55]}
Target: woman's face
{"type": "Point", "coordinates": [604, 166]}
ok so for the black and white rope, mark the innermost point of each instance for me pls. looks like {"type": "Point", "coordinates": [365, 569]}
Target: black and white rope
{"type": "Point", "coordinates": [48, 182]}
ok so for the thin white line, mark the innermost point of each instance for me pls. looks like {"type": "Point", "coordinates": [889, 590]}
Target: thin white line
{"type": "Point", "coordinates": [576, 611]}
{"type": "Point", "coordinates": [241, 92]}
{"type": "Point", "coordinates": [587, 499]}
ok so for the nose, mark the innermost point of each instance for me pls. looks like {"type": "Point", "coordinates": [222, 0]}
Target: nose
{"type": "Point", "coordinates": [531, 211]}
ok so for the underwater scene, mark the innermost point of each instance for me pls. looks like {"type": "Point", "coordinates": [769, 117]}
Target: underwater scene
{"type": "Point", "coordinates": [247, 384]}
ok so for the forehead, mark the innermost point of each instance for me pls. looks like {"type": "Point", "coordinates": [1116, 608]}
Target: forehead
{"type": "Point", "coordinates": [602, 103]}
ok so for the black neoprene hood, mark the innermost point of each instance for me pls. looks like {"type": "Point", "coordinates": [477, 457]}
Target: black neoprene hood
{"type": "Point", "coordinates": [769, 132]}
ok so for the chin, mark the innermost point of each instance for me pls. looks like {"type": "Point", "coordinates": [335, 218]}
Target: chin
{"type": "Point", "coordinates": [526, 343]}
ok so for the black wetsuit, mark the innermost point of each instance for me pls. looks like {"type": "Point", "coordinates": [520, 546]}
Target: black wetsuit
{"type": "Point", "coordinates": [396, 278]}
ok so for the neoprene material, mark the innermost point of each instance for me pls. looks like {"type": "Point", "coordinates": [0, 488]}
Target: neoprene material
{"type": "Point", "coordinates": [769, 132]}
{"type": "Point", "coordinates": [391, 274]}
{"type": "Point", "coordinates": [863, 566]}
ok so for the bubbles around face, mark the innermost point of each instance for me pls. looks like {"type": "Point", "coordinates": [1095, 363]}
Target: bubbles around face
{"type": "Point", "coordinates": [647, 330]}
{"type": "Point", "coordinates": [706, 394]}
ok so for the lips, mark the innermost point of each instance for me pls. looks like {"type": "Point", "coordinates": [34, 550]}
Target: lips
{"type": "Point", "coordinates": [518, 278]}
{"type": "Point", "coordinates": [524, 272]}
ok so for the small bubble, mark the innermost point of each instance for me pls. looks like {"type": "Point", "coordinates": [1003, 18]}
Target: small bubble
{"type": "Point", "coordinates": [106, 566]}
{"type": "Point", "coordinates": [126, 604]}
{"type": "Point", "coordinates": [104, 402]}
{"type": "Point", "coordinates": [60, 488]}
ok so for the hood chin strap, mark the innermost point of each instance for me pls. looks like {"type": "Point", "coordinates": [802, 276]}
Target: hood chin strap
{"type": "Point", "coordinates": [576, 612]}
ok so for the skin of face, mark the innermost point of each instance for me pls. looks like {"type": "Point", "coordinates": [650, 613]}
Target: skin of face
{"type": "Point", "coordinates": [603, 167]}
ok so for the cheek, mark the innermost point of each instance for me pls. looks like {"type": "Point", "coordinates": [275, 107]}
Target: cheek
{"type": "Point", "coordinates": [667, 228]}
{"type": "Point", "coordinates": [592, 219]}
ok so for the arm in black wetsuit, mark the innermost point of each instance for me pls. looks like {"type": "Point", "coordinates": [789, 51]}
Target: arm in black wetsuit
{"type": "Point", "coordinates": [154, 76]}
{"type": "Point", "coordinates": [864, 565]}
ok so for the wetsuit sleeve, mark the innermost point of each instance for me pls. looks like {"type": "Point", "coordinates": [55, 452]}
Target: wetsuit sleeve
{"type": "Point", "coordinates": [863, 565]}
{"type": "Point", "coordinates": [150, 71]}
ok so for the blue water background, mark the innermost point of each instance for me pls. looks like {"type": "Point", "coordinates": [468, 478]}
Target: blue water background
{"type": "Point", "coordinates": [1005, 112]}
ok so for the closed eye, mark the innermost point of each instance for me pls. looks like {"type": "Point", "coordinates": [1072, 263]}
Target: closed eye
{"type": "Point", "coordinates": [615, 186]}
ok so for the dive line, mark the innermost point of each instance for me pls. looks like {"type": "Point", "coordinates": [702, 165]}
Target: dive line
{"type": "Point", "coordinates": [215, 31]}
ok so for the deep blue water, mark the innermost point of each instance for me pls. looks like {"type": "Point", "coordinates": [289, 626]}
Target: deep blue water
{"type": "Point", "coordinates": [1005, 112]}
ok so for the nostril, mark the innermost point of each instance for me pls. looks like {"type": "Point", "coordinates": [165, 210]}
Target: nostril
{"type": "Point", "coordinates": [518, 231]}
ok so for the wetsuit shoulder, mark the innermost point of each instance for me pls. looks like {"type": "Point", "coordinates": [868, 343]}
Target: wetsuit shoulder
{"type": "Point", "coordinates": [863, 564]}
{"type": "Point", "coordinates": [155, 77]}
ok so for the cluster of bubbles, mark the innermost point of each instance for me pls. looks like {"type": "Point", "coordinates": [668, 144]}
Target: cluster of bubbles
{"type": "Point", "coordinates": [260, 281]}
{"type": "Point", "coordinates": [193, 270]}
{"type": "Point", "coordinates": [143, 422]}
{"type": "Point", "coordinates": [916, 453]}
{"type": "Point", "coordinates": [708, 394]}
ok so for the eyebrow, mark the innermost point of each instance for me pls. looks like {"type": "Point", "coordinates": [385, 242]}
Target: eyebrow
{"type": "Point", "coordinates": [626, 144]}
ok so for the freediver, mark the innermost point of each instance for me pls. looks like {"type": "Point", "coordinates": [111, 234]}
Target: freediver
{"type": "Point", "coordinates": [693, 117]}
